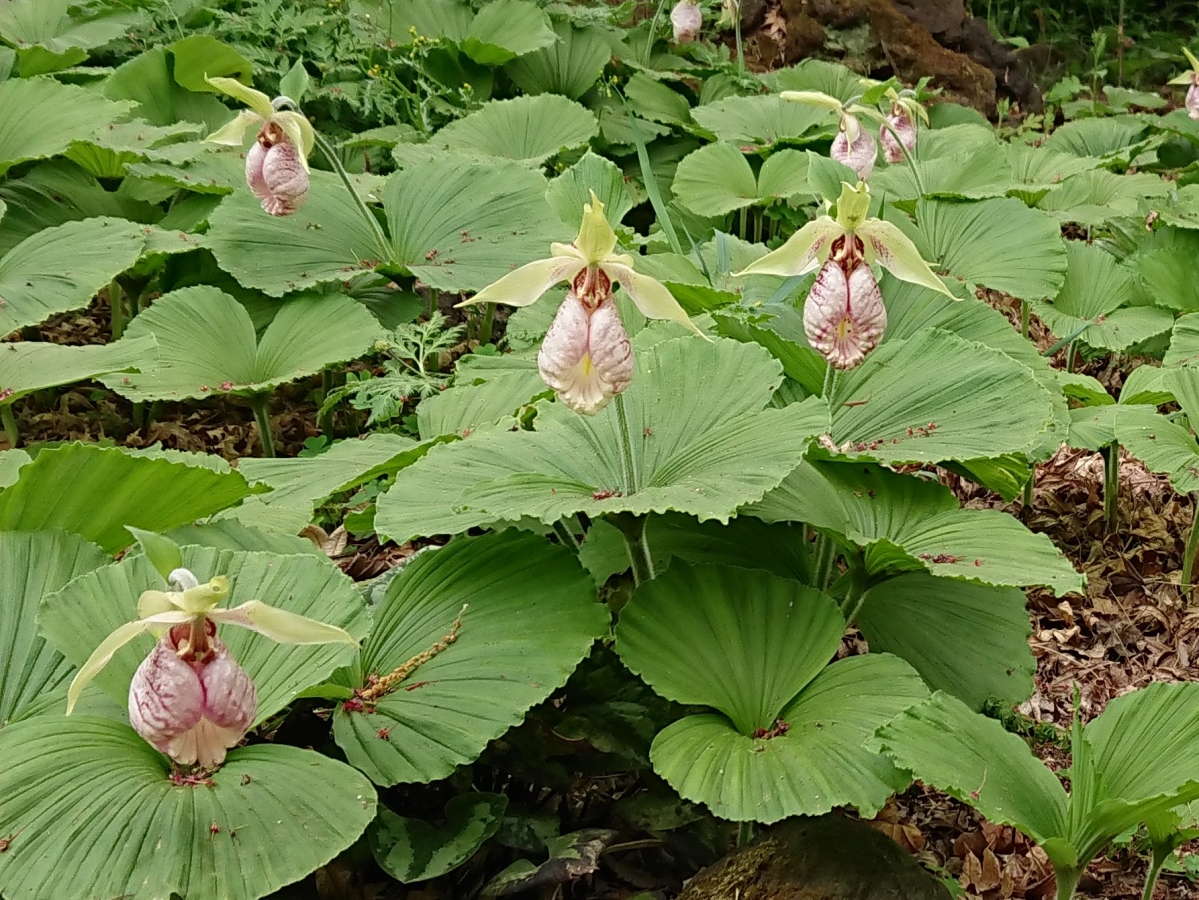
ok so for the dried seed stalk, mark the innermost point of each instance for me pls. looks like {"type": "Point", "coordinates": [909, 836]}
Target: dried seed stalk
{"type": "Point", "coordinates": [391, 681]}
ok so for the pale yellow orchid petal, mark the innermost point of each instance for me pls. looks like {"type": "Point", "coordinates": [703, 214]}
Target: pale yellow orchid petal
{"type": "Point", "coordinates": [853, 205]}
{"type": "Point", "coordinates": [526, 284]}
{"type": "Point", "coordinates": [813, 98]}
{"type": "Point", "coordinates": [281, 626]}
{"type": "Point", "coordinates": [204, 597]}
{"type": "Point", "coordinates": [804, 252]}
{"type": "Point", "coordinates": [557, 249]}
{"type": "Point", "coordinates": [233, 133]}
{"type": "Point", "coordinates": [895, 252]}
{"type": "Point", "coordinates": [1191, 59]}
{"type": "Point", "coordinates": [103, 654]}
{"type": "Point", "coordinates": [1187, 78]}
{"type": "Point", "coordinates": [650, 296]}
{"type": "Point", "coordinates": [151, 603]}
{"type": "Point", "coordinates": [255, 100]}
{"type": "Point", "coordinates": [596, 239]}
{"type": "Point", "coordinates": [298, 130]}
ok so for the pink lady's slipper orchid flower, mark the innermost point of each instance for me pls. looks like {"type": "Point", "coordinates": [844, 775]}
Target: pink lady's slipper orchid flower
{"type": "Point", "coordinates": [844, 316]}
{"type": "Point", "coordinates": [277, 163]}
{"type": "Point", "coordinates": [189, 698]}
{"type": "Point", "coordinates": [899, 127]}
{"type": "Point", "coordinates": [853, 146]}
{"type": "Point", "coordinates": [686, 20]}
{"type": "Point", "coordinates": [1191, 78]}
{"type": "Point", "coordinates": [586, 356]}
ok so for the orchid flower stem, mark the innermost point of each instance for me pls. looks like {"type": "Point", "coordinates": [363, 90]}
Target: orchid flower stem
{"type": "Point", "coordinates": [626, 447]}
{"type": "Point", "coordinates": [10, 426]}
{"type": "Point", "coordinates": [1188, 555]}
{"type": "Point", "coordinates": [830, 385]}
{"type": "Point", "coordinates": [737, 38]}
{"type": "Point", "coordinates": [1111, 486]}
{"type": "Point", "coordinates": [565, 536]}
{"type": "Point", "coordinates": [117, 309]}
{"type": "Point", "coordinates": [907, 154]}
{"type": "Point", "coordinates": [260, 403]}
{"type": "Point", "coordinates": [485, 325]}
{"type": "Point", "coordinates": [653, 33]}
{"type": "Point", "coordinates": [384, 245]}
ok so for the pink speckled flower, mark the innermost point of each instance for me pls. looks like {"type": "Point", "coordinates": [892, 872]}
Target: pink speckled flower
{"type": "Point", "coordinates": [905, 128]}
{"type": "Point", "coordinates": [189, 698]}
{"type": "Point", "coordinates": [687, 21]}
{"type": "Point", "coordinates": [844, 317]}
{"type": "Point", "coordinates": [586, 356]}
{"type": "Point", "coordinates": [856, 148]}
{"type": "Point", "coordinates": [276, 173]}
{"type": "Point", "coordinates": [277, 161]}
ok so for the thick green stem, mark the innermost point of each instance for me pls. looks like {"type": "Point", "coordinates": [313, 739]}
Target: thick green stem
{"type": "Point", "coordinates": [486, 323]}
{"type": "Point", "coordinates": [822, 564]}
{"type": "Point", "coordinates": [856, 595]}
{"type": "Point", "coordinates": [1067, 881]}
{"type": "Point", "coordinates": [1070, 357]}
{"type": "Point", "coordinates": [626, 447]}
{"type": "Point", "coordinates": [260, 403]}
{"type": "Point", "coordinates": [565, 536]}
{"type": "Point", "coordinates": [325, 419]}
{"type": "Point", "coordinates": [1025, 316]}
{"type": "Point", "coordinates": [1111, 485]}
{"type": "Point", "coordinates": [745, 833]}
{"type": "Point", "coordinates": [117, 310]}
{"type": "Point", "coordinates": [830, 384]}
{"type": "Point", "coordinates": [1028, 487]}
{"type": "Point", "coordinates": [911, 161]}
{"type": "Point", "coordinates": [137, 416]}
{"type": "Point", "coordinates": [653, 33]}
{"type": "Point", "coordinates": [640, 557]}
{"type": "Point", "coordinates": [1155, 870]}
{"type": "Point", "coordinates": [10, 426]}
{"type": "Point", "coordinates": [1188, 555]}
{"type": "Point", "coordinates": [737, 38]}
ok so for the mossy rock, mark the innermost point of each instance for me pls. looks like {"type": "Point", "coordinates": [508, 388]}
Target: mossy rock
{"type": "Point", "coordinates": [831, 857]}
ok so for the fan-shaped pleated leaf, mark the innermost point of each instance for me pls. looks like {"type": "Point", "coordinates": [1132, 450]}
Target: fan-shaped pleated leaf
{"type": "Point", "coordinates": [405, 20]}
{"type": "Point", "coordinates": [569, 66]}
{"type": "Point", "coordinates": [717, 179]}
{"type": "Point", "coordinates": [35, 122]}
{"type": "Point", "coordinates": [755, 647]}
{"type": "Point", "coordinates": [35, 564]}
{"type": "Point", "coordinates": [148, 81]}
{"type": "Point", "coordinates": [1094, 197]}
{"type": "Point", "coordinates": [413, 850]}
{"type": "Point", "coordinates": [35, 365]}
{"type": "Point", "coordinates": [95, 812]}
{"type": "Point", "coordinates": [1163, 446]}
{"type": "Point", "coordinates": [936, 397]}
{"type": "Point", "coordinates": [207, 344]}
{"type": "Point", "coordinates": [816, 75]}
{"type": "Point", "coordinates": [61, 268]}
{"type": "Point", "coordinates": [765, 121]}
{"type": "Point", "coordinates": [701, 444]}
{"type": "Point", "coordinates": [1098, 136]}
{"type": "Point", "coordinates": [464, 409]}
{"type": "Point", "coordinates": [530, 615]}
{"type": "Point", "coordinates": [571, 190]}
{"type": "Point", "coordinates": [971, 175]}
{"type": "Point", "coordinates": [1001, 244]}
{"type": "Point", "coordinates": [968, 639]}
{"type": "Point", "coordinates": [505, 29]}
{"type": "Point", "coordinates": [70, 488]}
{"type": "Point", "coordinates": [524, 129]}
{"type": "Point", "coordinates": [303, 584]}
{"type": "Point", "coordinates": [46, 24]}
{"type": "Point", "coordinates": [1096, 288]}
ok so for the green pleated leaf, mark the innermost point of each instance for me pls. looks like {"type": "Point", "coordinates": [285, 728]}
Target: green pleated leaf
{"type": "Point", "coordinates": [945, 744]}
{"type": "Point", "coordinates": [271, 815]}
{"type": "Point", "coordinates": [464, 409]}
{"type": "Point", "coordinates": [1163, 446]}
{"type": "Point", "coordinates": [816, 75]}
{"type": "Point", "coordinates": [571, 190]}
{"type": "Point", "coordinates": [525, 129]}
{"type": "Point", "coordinates": [11, 462]}
{"type": "Point", "coordinates": [717, 179]}
{"type": "Point", "coordinates": [71, 488]}
{"type": "Point", "coordinates": [1098, 136]}
{"type": "Point", "coordinates": [29, 366]}
{"type": "Point", "coordinates": [1184, 343]}
{"type": "Point", "coordinates": [1094, 197]}
{"type": "Point", "coordinates": [413, 850]}
{"type": "Point", "coordinates": [303, 584]}
{"type": "Point", "coordinates": [654, 100]}
{"type": "Point", "coordinates": [935, 397]}
{"type": "Point", "coordinates": [506, 29]}
{"type": "Point", "coordinates": [968, 639]}
{"type": "Point", "coordinates": [570, 66]}
{"type": "Point", "coordinates": [207, 343]}
{"type": "Point", "coordinates": [37, 564]}
{"type": "Point", "coordinates": [530, 617]}
{"type": "Point", "coordinates": [34, 122]}
{"type": "Point", "coordinates": [61, 268]}
{"type": "Point", "coordinates": [403, 20]}
{"type": "Point", "coordinates": [701, 443]}
{"type": "Point", "coordinates": [1001, 244]}
{"type": "Point", "coordinates": [1095, 289]}
{"type": "Point", "coordinates": [762, 122]}
{"type": "Point", "coordinates": [148, 81]}
{"type": "Point", "coordinates": [974, 174]}
{"type": "Point", "coordinates": [299, 485]}
{"type": "Point", "coordinates": [47, 25]}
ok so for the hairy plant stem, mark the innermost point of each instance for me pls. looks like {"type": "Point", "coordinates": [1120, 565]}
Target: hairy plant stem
{"type": "Point", "coordinates": [908, 158]}
{"type": "Point", "coordinates": [138, 415]}
{"type": "Point", "coordinates": [653, 33]}
{"type": "Point", "coordinates": [485, 325]}
{"type": "Point", "coordinates": [116, 308]}
{"type": "Point", "coordinates": [737, 38]}
{"type": "Point", "coordinates": [325, 419]}
{"type": "Point", "coordinates": [745, 833]}
{"type": "Point", "coordinates": [384, 245]}
{"type": "Point", "coordinates": [823, 556]}
{"type": "Point", "coordinates": [1111, 485]}
{"type": "Point", "coordinates": [641, 559]}
{"type": "Point", "coordinates": [1025, 315]}
{"type": "Point", "coordinates": [260, 403]}
{"type": "Point", "coordinates": [830, 384]}
{"type": "Point", "coordinates": [1156, 861]}
{"type": "Point", "coordinates": [858, 582]}
{"type": "Point", "coordinates": [1067, 881]}
{"type": "Point", "coordinates": [10, 426]}
{"type": "Point", "coordinates": [1070, 357]}
{"type": "Point", "coordinates": [1188, 555]}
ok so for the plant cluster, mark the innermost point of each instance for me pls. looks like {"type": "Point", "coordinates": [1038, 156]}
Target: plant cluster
{"type": "Point", "coordinates": [685, 480]}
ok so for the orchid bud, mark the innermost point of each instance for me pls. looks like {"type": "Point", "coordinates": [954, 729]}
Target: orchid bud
{"type": "Point", "coordinates": [687, 20]}
{"type": "Point", "coordinates": [844, 317]}
{"type": "Point", "coordinates": [1192, 98]}
{"type": "Point", "coordinates": [276, 173]}
{"type": "Point", "coordinates": [586, 356]}
{"type": "Point", "coordinates": [904, 128]}
{"type": "Point", "coordinates": [857, 152]}
{"type": "Point", "coordinates": [192, 702]}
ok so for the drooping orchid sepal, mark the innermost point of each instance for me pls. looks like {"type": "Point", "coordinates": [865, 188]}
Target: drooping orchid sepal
{"type": "Point", "coordinates": [853, 146]}
{"type": "Point", "coordinates": [1191, 79]}
{"type": "Point", "coordinates": [899, 129]}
